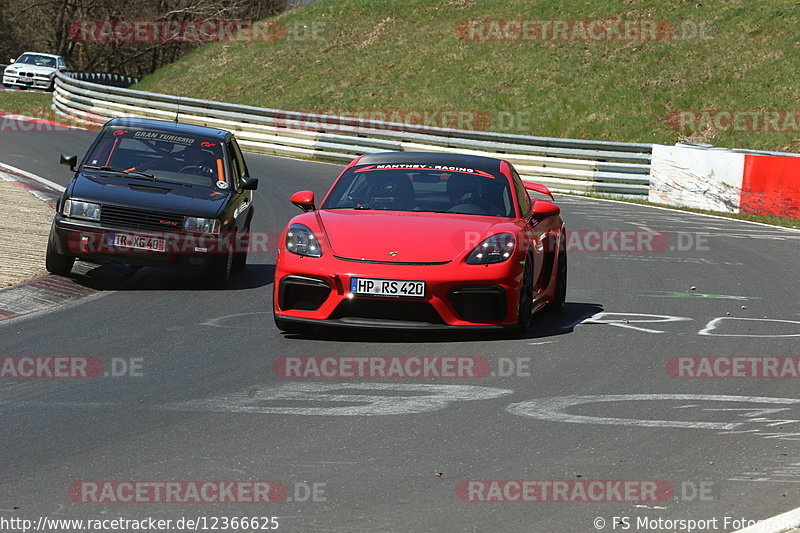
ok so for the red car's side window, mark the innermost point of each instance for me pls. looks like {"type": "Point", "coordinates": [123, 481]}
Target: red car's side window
{"type": "Point", "coordinates": [522, 194]}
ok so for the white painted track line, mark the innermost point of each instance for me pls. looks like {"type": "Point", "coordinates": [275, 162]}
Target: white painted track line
{"type": "Point", "coordinates": [44, 181]}
{"type": "Point", "coordinates": [777, 524]}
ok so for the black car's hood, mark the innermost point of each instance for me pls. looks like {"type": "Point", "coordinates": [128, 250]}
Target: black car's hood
{"type": "Point", "coordinates": [149, 195]}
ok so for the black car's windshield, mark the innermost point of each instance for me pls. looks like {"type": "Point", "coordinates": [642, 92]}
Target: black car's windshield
{"type": "Point", "coordinates": [159, 156]}
{"type": "Point", "coordinates": [38, 60]}
{"type": "Point", "coordinates": [422, 187]}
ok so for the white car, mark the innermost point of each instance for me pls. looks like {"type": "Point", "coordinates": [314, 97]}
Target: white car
{"type": "Point", "coordinates": [33, 70]}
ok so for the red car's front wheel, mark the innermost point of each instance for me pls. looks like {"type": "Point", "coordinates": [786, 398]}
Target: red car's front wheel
{"type": "Point", "coordinates": [561, 284]}
{"type": "Point", "coordinates": [525, 308]}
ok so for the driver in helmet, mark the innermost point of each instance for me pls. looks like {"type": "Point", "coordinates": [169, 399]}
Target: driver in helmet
{"type": "Point", "coordinates": [195, 161]}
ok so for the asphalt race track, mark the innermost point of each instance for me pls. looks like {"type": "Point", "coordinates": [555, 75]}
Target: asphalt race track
{"type": "Point", "coordinates": [205, 403]}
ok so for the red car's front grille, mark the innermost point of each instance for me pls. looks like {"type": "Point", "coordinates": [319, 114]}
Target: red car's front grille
{"type": "Point", "coordinates": [376, 262]}
{"type": "Point", "coordinates": [479, 303]}
{"type": "Point", "coordinates": [381, 309]}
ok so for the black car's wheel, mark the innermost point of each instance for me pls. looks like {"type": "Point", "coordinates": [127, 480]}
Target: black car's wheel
{"type": "Point", "coordinates": [287, 326]}
{"type": "Point", "coordinates": [561, 284]}
{"type": "Point", "coordinates": [242, 242]}
{"type": "Point", "coordinates": [54, 262]}
{"type": "Point", "coordinates": [221, 272]}
{"type": "Point", "coordinates": [525, 309]}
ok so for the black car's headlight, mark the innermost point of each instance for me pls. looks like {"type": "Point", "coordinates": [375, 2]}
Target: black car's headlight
{"type": "Point", "coordinates": [78, 209]}
{"type": "Point", "coordinates": [495, 249]}
{"type": "Point", "coordinates": [301, 240]}
{"type": "Point", "coordinates": [201, 225]}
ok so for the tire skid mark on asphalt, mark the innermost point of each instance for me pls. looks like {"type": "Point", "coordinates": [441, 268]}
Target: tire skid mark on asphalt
{"type": "Point", "coordinates": [656, 213]}
{"type": "Point", "coordinates": [666, 259]}
{"type": "Point", "coordinates": [41, 293]}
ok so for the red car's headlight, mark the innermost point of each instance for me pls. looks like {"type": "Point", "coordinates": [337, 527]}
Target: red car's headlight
{"type": "Point", "coordinates": [495, 249]}
{"type": "Point", "coordinates": [301, 240]}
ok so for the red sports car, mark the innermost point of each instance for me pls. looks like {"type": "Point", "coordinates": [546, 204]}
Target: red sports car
{"type": "Point", "coordinates": [422, 241]}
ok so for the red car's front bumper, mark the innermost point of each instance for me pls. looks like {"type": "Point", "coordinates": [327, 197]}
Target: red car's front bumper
{"type": "Point", "coordinates": [317, 290]}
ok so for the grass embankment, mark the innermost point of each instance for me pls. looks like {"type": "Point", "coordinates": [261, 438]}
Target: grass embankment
{"type": "Point", "coordinates": [391, 58]}
{"type": "Point", "coordinates": [384, 55]}
{"type": "Point", "coordinates": [29, 103]}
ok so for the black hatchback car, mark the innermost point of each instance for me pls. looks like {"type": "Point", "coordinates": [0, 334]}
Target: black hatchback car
{"type": "Point", "coordinates": [156, 193]}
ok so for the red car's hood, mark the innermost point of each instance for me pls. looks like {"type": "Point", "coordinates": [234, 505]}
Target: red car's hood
{"type": "Point", "coordinates": [416, 237]}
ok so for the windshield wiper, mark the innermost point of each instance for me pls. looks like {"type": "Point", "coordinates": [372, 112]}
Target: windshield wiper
{"type": "Point", "coordinates": [135, 173]}
{"type": "Point", "coordinates": [159, 180]}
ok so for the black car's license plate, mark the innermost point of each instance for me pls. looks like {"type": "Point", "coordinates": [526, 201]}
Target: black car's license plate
{"type": "Point", "coordinates": [138, 242]}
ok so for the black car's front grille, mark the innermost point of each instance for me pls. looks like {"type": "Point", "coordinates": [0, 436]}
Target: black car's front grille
{"type": "Point", "coordinates": [129, 217]}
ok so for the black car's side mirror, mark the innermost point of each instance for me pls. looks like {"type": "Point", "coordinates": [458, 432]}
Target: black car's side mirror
{"type": "Point", "coordinates": [249, 184]}
{"type": "Point", "coordinates": [69, 161]}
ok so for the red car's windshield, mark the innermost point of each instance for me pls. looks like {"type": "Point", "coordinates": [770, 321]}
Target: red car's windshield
{"type": "Point", "coordinates": [422, 187]}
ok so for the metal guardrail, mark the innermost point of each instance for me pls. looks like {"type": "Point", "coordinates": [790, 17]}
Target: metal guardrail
{"type": "Point", "coordinates": [566, 165]}
{"type": "Point", "coordinates": [102, 78]}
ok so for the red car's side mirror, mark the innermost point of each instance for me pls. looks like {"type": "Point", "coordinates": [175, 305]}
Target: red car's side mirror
{"type": "Point", "coordinates": [304, 200]}
{"type": "Point", "coordinates": [543, 209]}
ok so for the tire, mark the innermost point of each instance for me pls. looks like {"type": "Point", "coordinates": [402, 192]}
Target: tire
{"type": "Point", "coordinates": [221, 273]}
{"type": "Point", "coordinates": [525, 309]}
{"type": "Point", "coordinates": [561, 284]}
{"type": "Point", "coordinates": [287, 326]}
{"type": "Point", "coordinates": [242, 242]}
{"type": "Point", "coordinates": [54, 262]}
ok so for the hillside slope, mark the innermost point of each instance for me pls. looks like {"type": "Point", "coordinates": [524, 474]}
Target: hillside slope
{"type": "Point", "coordinates": [739, 58]}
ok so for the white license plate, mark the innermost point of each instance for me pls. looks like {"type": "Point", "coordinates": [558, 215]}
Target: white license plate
{"type": "Point", "coordinates": [24, 79]}
{"type": "Point", "coordinates": [137, 242]}
{"type": "Point", "coordinates": [387, 287]}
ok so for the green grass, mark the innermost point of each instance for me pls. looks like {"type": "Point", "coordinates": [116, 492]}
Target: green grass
{"type": "Point", "coordinates": [26, 103]}
{"type": "Point", "coordinates": [386, 55]}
